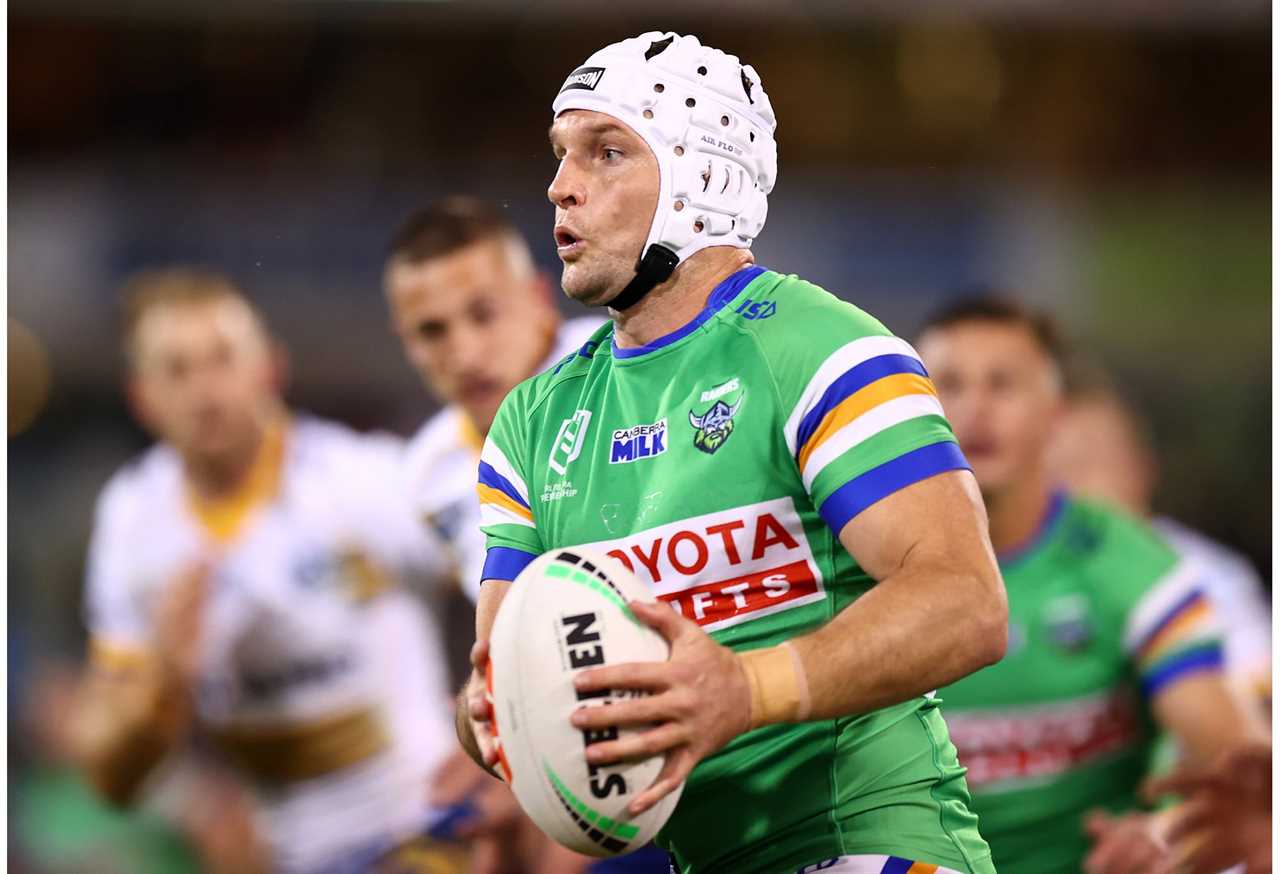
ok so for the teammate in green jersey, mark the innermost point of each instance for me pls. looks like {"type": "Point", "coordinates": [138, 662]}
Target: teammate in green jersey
{"type": "Point", "coordinates": [775, 464]}
{"type": "Point", "coordinates": [1110, 634]}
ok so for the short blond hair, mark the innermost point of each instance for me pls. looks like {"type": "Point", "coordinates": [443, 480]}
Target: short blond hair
{"type": "Point", "coordinates": [174, 286]}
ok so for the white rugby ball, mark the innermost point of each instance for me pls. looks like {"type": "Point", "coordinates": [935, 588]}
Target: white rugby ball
{"type": "Point", "coordinates": [566, 613]}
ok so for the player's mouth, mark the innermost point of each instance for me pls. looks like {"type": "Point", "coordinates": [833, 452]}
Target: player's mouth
{"type": "Point", "coordinates": [979, 448]}
{"type": "Point", "coordinates": [568, 243]}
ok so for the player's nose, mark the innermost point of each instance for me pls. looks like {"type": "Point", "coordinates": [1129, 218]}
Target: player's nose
{"type": "Point", "coordinates": [565, 189]}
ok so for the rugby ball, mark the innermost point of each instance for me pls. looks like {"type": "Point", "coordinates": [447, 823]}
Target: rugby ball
{"type": "Point", "coordinates": [566, 613]}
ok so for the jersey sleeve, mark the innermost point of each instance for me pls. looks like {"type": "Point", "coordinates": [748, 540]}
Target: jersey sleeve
{"type": "Point", "coordinates": [113, 611]}
{"type": "Point", "coordinates": [506, 515]}
{"type": "Point", "coordinates": [1171, 631]}
{"type": "Point", "coordinates": [863, 419]}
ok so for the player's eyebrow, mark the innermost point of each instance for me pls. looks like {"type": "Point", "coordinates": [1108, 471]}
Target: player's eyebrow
{"type": "Point", "coordinates": [596, 130]}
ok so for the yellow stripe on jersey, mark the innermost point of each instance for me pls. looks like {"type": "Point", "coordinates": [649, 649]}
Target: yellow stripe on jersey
{"type": "Point", "coordinates": [223, 517]}
{"type": "Point", "coordinates": [882, 390]}
{"type": "Point", "coordinates": [490, 495]}
{"type": "Point", "coordinates": [117, 658]}
{"type": "Point", "coordinates": [301, 751]}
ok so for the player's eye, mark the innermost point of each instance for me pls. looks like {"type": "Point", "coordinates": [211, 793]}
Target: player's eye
{"type": "Point", "coordinates": [611, 154]}
{"type": "Point", "coordinates": [430, 331]}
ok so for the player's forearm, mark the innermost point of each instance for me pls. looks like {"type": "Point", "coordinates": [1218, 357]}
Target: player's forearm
{"type": "Point", "coordinates": [918, 629]}
{"type": "Point", "coordinates": [120, 734]}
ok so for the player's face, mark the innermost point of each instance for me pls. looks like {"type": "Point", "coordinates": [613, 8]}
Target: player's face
{"type": "Point", "coordinates": [474, 323]}
{"type": "Point", "coordinates": [204, 377]}
{"type": "Point", "coordinates": [1001, 394]}
{"type": "Point", "coordinates": [1096, 453]}
{"type": "Point", "coordinates": [605, 192]}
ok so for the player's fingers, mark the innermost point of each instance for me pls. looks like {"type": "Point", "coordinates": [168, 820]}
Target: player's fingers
{"type": "Point", "coordinates": [639, 711]}
{"type": "Point", "coordinates": [647, 676]}
{"type": "Point", "coordinates": [675, 769]}
{"type": "Point", "coordinates": [480, 654]}
{"type": "Point", "coordinates": [659, 616]}
{"type": "Point", "coordinates": [641, 745]}
{"type": "Point", "coordinates": [1097, 822]}
{"type": "Point", "coordinates": [1192, 817]}
{"type": "Point", "coordinates": [1104, 855]}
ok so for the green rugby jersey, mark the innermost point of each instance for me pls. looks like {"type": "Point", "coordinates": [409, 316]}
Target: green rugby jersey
{"type": "Point", "coordinates": [1102, 617]}
{"type": "Point", "coordinates": [718, 463]}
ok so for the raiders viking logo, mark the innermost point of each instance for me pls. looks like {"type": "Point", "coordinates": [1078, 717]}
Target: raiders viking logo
{"type": "Point", "coordinates": [713, 427]}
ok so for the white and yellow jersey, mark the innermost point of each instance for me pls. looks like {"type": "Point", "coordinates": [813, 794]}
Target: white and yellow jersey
{"type": "Point", "coordinates": [442, 461]}
{"type": "Point", "coordinates": [319, 678]}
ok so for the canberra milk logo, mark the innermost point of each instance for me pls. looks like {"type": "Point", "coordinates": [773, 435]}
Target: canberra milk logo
{"type": "Point", "coordinates": [569, 440]}
{"type": "Point", "coordinates": [585, 78]}
{"type": "Point", "coordinates": [638, 441]}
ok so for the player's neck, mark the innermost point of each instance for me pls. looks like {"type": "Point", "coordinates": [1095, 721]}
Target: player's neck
{"type": "Point", "coordinates": [212, 476]}
{"type": "Point", "coordinates": [1016, 513]}
{"type": "Point", "coordinates": [677, 301]}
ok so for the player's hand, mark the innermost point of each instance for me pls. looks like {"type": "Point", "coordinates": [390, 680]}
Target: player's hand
{"type": "Point", "coordinates": [699, 701]}
{"type": "Point", "coordinates": [1226, 818]}
{"type": "Point", "coordinates": [479, 708]}
{"type": "Point", "coordinates": [1130, 843]}
{"type": "Point", "coordinates": [177, 632]}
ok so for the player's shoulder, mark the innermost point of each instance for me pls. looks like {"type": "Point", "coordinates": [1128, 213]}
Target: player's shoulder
{"type": "Point", "coordinates": [437, 437]}
{"type": "Point", "coordinates": [781, 308]}
{"type": "Point", "coordinates": [139, 484]}
{"type": "Point", "coordinates": [320, 447]}
{"type": "Point", "coordinates": [1121, 551]}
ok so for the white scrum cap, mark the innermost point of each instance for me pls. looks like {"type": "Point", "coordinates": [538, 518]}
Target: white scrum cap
{"type": "Point", "coordinates": [709, 123]}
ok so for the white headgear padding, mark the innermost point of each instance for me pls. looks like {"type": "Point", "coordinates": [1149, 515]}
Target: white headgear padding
{"type": "Point", "coordinates": [708, 121]}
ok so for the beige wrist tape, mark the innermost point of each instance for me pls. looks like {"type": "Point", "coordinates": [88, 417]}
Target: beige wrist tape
{"type": "Point", "coordinates": [778, 683]}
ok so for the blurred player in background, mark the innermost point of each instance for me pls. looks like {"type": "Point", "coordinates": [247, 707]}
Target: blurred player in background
{"type": "Point", "coordinates": [1102, 450]}
{"type": "Point", "coordinates": [242, 589]}
{"type": "Point", "coordinates": [475, 318]}
{"type": "Point", "coordinates": [775, 464]}
{"type": "Point", "coordinates": [1109, 633]}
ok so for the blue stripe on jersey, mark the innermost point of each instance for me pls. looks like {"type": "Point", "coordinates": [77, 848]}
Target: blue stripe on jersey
{"type": "Point", "coordinates": [857, 377]}
{"type": "Point", "coordinates": [896, 865]}
{"type": "Point", "coordinates": [1169, 615]}
{"type": "Point", "coordinates": [1207, 658]}
{"type": "Point", "coordinates": [495, 480]}
{"type": "Point", "coordinates": [865, 489]}
{"type": "Point", "coordinates": [505, 563]}
{"type": "Point", "coordinates": [721, 295]}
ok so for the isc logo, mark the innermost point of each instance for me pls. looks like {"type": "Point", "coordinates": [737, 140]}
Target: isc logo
{"type": "Point", "coordinates": [638, 441]}
{"type": "Point", "coordinates": [756, 309]}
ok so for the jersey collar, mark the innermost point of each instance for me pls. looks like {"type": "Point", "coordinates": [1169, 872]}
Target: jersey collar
{"type": "Point", "coordinates": [1052, 513]}
{"type": "Point", "coordinates": [721, 295]}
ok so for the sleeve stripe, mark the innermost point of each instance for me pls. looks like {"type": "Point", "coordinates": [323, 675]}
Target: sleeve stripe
{"type": "Point", "coordinates": [918, 408]}
{"type": "Point", "coordinates": [862, 401]}
{"type": "Point", "coordinates": [862, 491]}
{"type": "Point", "coordinates": [111, 656]}
{"type": "Point", "coordinates": [494, 500]}
{"type": "Point", "coordinates": [505, 563]}
{"type": "Point", "coordinates": [493, 456]}
{"type": "Point", "coordinates": [496, 481]}
{"type": "Point", "coordinates": [1207, 657]}
{"type": "Point", "coordinates": [837, 364]}
{"type": "Point", "coordinates": [853, 382]}
{"type": "Point", "coordinates": [1194, 617]}
{"type": "Point", "coordinates": [1161, 603]}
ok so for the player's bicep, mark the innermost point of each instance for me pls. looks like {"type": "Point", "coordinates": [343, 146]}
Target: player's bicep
{"type": "Point", "coordinates": [940, 518]}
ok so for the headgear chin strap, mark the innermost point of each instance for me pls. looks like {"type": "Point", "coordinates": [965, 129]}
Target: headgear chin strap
{"type": "Point", "coordinates": [710, 126]}
{"type": "Point", "coordinates": [654, 268]}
